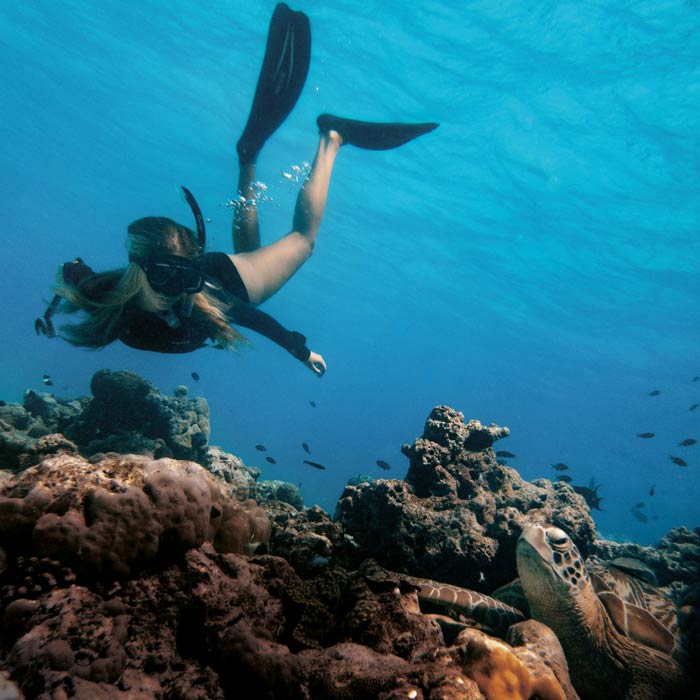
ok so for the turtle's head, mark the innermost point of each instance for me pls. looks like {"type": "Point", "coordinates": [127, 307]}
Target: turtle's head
{"type": "Point", "coordinates": [550, 566]}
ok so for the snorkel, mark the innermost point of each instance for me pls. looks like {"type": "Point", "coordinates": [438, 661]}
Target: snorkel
{"type": "Point", "coordinates": [198, 218]}
{"type": "Point", "coordinates": [188, 302]}
{"type": "Point", "coordinates": [187, 306]}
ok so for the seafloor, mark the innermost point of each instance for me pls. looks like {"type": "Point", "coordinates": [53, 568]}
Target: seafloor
{"type": "Point", "coordinates": [138, 562]}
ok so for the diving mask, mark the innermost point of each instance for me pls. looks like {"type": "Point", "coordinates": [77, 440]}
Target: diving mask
{"type": "Point", "coordinates": [171, 275]}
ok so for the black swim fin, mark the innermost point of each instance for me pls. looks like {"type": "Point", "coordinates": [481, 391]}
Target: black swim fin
{"type": "Point", "coordinates": [282, 77]}
{"type": "Point", "coordinates": [375, 136]}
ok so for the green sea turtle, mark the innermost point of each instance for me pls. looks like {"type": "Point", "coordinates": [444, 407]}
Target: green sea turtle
{"type": "Point", "coordinates": [615, 649]}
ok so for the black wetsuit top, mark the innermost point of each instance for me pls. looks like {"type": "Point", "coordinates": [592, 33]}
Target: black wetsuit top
{"type": "Point", "coordinates": [148, 331]}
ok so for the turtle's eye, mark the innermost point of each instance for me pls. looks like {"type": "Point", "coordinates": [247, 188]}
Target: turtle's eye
{"type": "Point", "coordinates": [558, 539]}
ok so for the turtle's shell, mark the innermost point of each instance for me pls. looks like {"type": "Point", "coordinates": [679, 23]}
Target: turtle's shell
{"type": "Point", "coordinates": [634, 583]}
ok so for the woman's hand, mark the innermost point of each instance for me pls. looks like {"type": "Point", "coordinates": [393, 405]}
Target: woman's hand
{"type": "Point", "coordinates": [316, 364]}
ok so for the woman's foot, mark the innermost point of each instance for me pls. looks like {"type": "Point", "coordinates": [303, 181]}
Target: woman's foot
{"type": "Point", "coordinates": [333, 137]}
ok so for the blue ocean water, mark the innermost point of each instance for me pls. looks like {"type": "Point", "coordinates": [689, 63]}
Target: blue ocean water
{"type": "Point", "coordinates": [534, 262]}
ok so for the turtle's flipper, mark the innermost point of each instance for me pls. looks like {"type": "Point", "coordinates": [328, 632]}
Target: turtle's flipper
{"type": "Point", "coordinates": [282, 77]}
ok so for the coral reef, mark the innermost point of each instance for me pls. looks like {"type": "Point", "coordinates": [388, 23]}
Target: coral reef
{"type": "Point", "coordinates": [280, 491]}
{"type": "Point", "coordinates": [139, 563]}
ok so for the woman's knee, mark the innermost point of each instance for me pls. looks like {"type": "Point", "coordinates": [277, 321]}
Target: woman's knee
{"type": "Point", "coordinates": [305, 223]}
{"type": "Point", "coordinates": [301, 245]}
{"type": "Point", "coordinates": [306, 248]}
{"type": "Point", "coordinates": [308, 229]}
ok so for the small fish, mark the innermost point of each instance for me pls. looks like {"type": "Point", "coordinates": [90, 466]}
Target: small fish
{"type": "Point", "coordinates": [640, 504]}
{"type": "Point", "coordinates": [565, 478]}
{"type": "Point", "coordinates": [645, 435]}
{"type": "Point", "coordinates": [677, 460]}
{"type": "Point", "coordinates": [261, 448]}
{"type": "Point", "coordinates": [652, 490]}
{"type": "Point", "coordinates": [315, 465]}
{"type": "Point", "coordinates": [271, 460]}
{"type": "Point", "coordinates": [560, 466]}
{"type": "Point", "coordinates": [382, 464]}
{"type": "Point", "coordinates": [640, 516]}
{"type": "Point", "coordinates": [590, 494]}
{"type": "Point", "coordinates": [694, 407]}
{"type": "Point", "coordinates": [654, 517]}
{"type": "Point", "coordinates": [47, 380]}
{"type": "Point", "coordinates": [312, 403]}
{"type": "Point", "coordinates": [482, 577]}
{"type": "Point", "coordinates": [306, 447]}
{"type": "Point", "coordinates": [195, 376]}
{"type": "Point", "coordinates": [656, 392]}
{"type": "Point", "coordinates": [695, 379]}
{"type": "Point", "coordinates": [687, 442]}
{"type": "Point", "coordinates": [505, 453]}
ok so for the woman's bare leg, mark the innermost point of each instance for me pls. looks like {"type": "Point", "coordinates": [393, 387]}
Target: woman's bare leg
{"type": "Point", "coordinates": [266, 269]}
{"type": "Point", "coordinates": [246, 230]}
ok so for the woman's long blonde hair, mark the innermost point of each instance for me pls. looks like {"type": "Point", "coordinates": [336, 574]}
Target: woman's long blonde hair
{"type": "Point", "coordinates": [105, 295]}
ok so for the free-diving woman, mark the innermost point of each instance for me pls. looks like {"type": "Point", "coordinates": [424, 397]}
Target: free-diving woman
{"type": "Point", "coordinates": [173, 297]}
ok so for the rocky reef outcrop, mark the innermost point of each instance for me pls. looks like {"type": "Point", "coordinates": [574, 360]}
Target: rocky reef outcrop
{"type": "Point", "coordinates": [674, 559]}
{"type": "Point", "coordinates": [126, 414]}
{"type": "Point", "coordinates": [137, 562]}
{"type": "Point", "coordinates": [458, 513]}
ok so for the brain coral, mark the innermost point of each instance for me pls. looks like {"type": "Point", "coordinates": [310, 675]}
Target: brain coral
{"type": "Point", "coordinates": [110, 519]}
